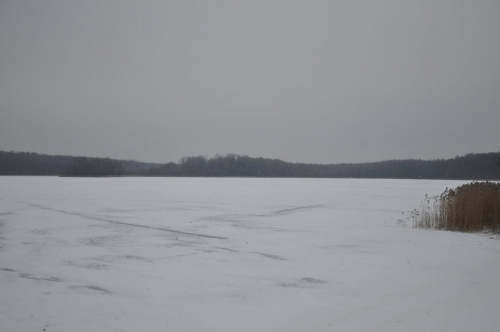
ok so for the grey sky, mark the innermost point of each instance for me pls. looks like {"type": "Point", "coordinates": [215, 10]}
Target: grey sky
{"type": "Point", "coordinates": [312, 81]}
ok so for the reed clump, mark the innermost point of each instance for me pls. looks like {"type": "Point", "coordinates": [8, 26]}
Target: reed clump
{"type": "Point", "coordinates": [472, 207]}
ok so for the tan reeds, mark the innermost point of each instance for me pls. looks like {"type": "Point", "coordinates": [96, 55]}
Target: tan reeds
{"type": "Point", "coordinates": [471, 207]}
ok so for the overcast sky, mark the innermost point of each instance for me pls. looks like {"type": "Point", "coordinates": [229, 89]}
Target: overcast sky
{"type": "Point", "coordinates": [305, 81]}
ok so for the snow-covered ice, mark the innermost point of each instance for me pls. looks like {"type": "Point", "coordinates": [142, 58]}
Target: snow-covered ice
{"type": "Point", "coordinates": [236, 254]}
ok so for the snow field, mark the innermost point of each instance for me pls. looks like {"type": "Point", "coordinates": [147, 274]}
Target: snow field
{"type": "Point", "coordinates": [238, 254]}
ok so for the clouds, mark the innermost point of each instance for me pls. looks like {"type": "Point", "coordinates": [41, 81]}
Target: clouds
{"type": "Point", "coordinates": [316, 81]}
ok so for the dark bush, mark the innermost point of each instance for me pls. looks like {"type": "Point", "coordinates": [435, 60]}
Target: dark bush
{"type": "Point", "coordinates": [471, 207]}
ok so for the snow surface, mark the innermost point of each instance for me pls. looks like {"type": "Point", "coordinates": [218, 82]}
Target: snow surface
{"type": "Point", "coordinates": [238, 254]}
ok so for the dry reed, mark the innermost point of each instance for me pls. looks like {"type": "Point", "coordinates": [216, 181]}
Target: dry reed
{"type": "Point", "coordinates": [472, 207]}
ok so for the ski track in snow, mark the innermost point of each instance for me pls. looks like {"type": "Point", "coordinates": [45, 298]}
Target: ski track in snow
{"type": "Point", "coordinates": [125, 223]}
{"type": "Point", "coordinates": [295, 209]}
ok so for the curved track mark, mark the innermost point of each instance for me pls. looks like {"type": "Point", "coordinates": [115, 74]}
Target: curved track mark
{"type": "Point", "coordinates": [126, 223]}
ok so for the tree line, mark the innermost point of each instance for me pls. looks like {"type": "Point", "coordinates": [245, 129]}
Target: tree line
{"type": "Point", "coordinates": [478, 166]}
{"type": "Point", "coordinates": [84, 166]}
{"type": "Point", "coordinates": [29, 163]}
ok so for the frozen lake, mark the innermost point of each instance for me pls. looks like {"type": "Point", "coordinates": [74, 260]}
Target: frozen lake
{"type": "Point", "coordinates": [236, 254]}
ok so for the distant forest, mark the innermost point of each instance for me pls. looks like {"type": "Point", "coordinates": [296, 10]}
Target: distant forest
{"type": "Point", "coordinates": [29, 163]}
{"type": "Point", "coordinates": [474, 166]}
